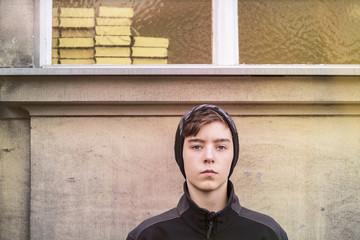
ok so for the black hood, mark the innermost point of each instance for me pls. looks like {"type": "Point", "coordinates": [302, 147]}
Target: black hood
{"type": "Point", "coordinates": [179, 137]}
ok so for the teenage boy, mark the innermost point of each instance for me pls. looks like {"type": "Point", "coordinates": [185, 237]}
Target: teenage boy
{"type": "Point", "coordinates": [206, 150]}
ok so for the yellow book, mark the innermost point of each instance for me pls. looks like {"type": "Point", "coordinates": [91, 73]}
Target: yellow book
{"type": "Point", "coordinates": [149, 61]}
{"type": "Point", "coordinates": [78, 33]}
{"type": "Point", "coordinates": [113, 40]}
{"type": "Point", "coordinates": [55, 12]}
{"type": "Point", "coordinates": [54, 53]}
{"type": "Point", "coordinates": [149, 52]}
{"type": "Point", "coordinates": [77, 61]}
{"type": "Point", "coordinates": [77, 22]}
{"type": "Point", "coordinates": [76, 42]}
{"type": "Point", "coordinates": [112, 51]}
{"type": "Point", "coordinates": [55, 33]}
{"type": "Point", "coordinates": [151, 42]}
{"type": "Point", "coordinates": [100, 21]}
{"type": "Point", "coordinates": [123, 61]}
{"type": "Point", "coordinates": [77, 12]}
{"type": "Point", "coordinates": [76, 53]}
{"type": "Point", "coordinates": [55, 22]}
{"type": "Point", "coordinates": [55, 43]}
{"type": "Point", "coordinates": [113, 30]}
{"type": "Point", "coordinates": [116, 12]}
{"type": "Point", "coordinates": [54, 61]}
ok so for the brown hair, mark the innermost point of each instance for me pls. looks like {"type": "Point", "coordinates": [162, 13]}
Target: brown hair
{"type": "Point", "coordinates": [194, 123]}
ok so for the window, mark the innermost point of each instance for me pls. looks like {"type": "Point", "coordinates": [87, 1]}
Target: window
{"type": "Point", "coordinates": [132, 32]}
{"type": "Point", "coordinates": [299, 32]}
{"type": "Point", "coordinates": [226, 33]}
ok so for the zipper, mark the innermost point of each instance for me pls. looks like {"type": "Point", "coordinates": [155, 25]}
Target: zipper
{"type": "Point", "coordinates": [211, 224]}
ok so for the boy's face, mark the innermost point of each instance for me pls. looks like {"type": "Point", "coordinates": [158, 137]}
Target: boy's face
{"type": "Point", "coordinates": [208, 157]}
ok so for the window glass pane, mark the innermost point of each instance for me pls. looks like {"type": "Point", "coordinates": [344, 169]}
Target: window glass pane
{"type": "Point", "coordinates": [299, 32]}
{"type": "Point", "coordinates": [132, 32]}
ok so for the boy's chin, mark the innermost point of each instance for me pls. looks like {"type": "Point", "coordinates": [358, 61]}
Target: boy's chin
{"type": "Point", "coordinates": [208, 186]}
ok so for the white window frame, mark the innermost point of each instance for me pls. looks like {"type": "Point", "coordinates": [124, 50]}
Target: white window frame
{"type": "Point", "coordinates": [225, 47]}
{"type": "Point", "coordinates": [225, 32]}
{"type": "Point", "coordinates": [45, 34]}
{"type": "Point", "coordinates": [225, 53]}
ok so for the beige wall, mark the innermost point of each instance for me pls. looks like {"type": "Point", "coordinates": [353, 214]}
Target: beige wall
{"type": "Point", "coordinates": [303, 171]}
{"type": "Point", "coordinates": [97, 154]}
{"type": "Point", "coordinates": [96, 178]}
{"type": "Point", "coordinates": [101, 151]}
{"type": "Point", "coordinates": [14, 178]}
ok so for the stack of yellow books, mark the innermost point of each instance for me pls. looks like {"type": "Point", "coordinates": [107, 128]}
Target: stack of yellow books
{"type": "Point", "coordinates": [76, 44]}
{"type": "Point", "coordinates": [79, 39]}
{"type": "Point", "coordinates": [150, 50]}
{"type": "Point", "coordinates": [113, 35]}
{"type": "Point", "coordinates": [55, 36]}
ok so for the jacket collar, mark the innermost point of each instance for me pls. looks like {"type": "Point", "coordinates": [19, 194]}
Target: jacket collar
{"type": "Point", "coordinates": [199, 218]}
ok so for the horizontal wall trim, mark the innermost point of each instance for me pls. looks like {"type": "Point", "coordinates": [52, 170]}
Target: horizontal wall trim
{"type": "Point", "coordinates": [107, 90]}
{"type": "Point", "coordinates": [179, 110]}
{"type": "Point", "coordinates": [173, 69]}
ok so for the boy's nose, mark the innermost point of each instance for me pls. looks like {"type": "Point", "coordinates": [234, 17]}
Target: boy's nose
{"type": "Point", "coordinates": [209, 157]}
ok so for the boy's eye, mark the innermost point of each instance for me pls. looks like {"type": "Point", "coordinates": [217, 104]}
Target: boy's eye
{"type": "Point", "coordinates": [221, 147]}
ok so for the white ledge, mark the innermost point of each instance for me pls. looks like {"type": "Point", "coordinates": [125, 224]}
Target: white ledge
{"type": "Point", "coordinates": [245, 69]}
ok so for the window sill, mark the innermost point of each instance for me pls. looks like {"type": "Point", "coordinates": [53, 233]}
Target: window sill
{"type": "Point", "coordinates": [261, 69]}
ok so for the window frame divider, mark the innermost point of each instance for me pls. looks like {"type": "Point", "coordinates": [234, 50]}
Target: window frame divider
{"type": "Point", "coordinates": [45, 32]}
{"type": "Point", "coordinates": [225, 32]}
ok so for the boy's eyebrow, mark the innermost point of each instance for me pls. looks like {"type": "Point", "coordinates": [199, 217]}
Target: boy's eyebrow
{"type": "Point", "coordinates": [196, 140]}
{"type": "Point", "coordinates": [222, 140]}
{"type": "Point", "coordinates": [202, 141]}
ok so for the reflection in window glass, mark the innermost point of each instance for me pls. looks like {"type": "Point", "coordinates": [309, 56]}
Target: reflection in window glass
{"type": "Point", "coordinates": [299, 32]}
{"type": "Point", "coordinates": [132, 32]}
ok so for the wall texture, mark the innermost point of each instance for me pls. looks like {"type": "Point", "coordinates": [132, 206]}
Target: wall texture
{"type": "Point", "coordinates": [101, 151]}
{"type": "Point", "coordinates": [90, 157]}
{"type": "Point", "coordinates": [14, 178]}
{"type": "Point", "coordinates": [304, 171]}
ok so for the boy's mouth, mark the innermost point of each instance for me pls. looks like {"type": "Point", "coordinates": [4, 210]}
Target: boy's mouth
{"type": "Point", "coordinates": [209, 172]}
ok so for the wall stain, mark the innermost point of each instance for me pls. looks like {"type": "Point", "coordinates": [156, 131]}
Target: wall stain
{"type": "Point", "coordinates": [8, 150]}
{"type": "Point", "coordinates": [71, 179]}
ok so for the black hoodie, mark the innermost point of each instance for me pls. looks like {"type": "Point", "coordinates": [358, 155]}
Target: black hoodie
{"type": "Point", "coordinates": [190, 222]}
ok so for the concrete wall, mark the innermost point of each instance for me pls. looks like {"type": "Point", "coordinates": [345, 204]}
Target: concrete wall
{"type": "Point", "coordinates": [14, 178]}
{"type": "Point", "coordinates": [101, 151]}
{"type": "Point", "coordinates": [16, 33]}
{"type": "Point", "coordinates": [89, 157]}
{"type": "Point", "coordinates": [105, 183]}
{"type": "Point", "coordinates": [304, 171]}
